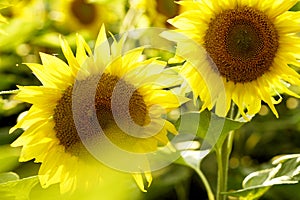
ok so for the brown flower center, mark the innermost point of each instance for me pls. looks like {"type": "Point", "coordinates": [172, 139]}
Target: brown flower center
{"type": "Point", "coordinates": [243, 43]}
{"type": "Point", "coordinates": [63, 116]}
{"type": "Point", "coordinates": [167, 7]}
{"type": "Point", "coordinates": [84, 12]}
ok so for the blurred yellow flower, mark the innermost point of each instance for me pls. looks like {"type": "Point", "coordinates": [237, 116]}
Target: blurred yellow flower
{"type": "Point", "coordinates": [51, 136]}
{"type": "Point", "coordinates": [17, 9]}
{"type": "Point", "coordinates": [251, 42]}
{"type": "Point", "coordinates": [83, 16]}
{"type": "Point", "coordinates": [25, 19]}
{"type": "Point", "coordinates": [2, 6]}
{"type": "Point", "coordinates": [154, 13]}
{"type": "Point", "coordinates": [30, 10]}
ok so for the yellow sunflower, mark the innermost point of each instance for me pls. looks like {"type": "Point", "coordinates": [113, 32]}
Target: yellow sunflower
{"type": "Point", "coordinates": [253, 45]}
{"type": "Point", "coordinates": [83, 15]}
{"type": "Point", "coordinates": [143, 13]}
{"type": "Point", "coordinates": [2, 6]}
{"type": "Point", "coordinates": [51, 133]}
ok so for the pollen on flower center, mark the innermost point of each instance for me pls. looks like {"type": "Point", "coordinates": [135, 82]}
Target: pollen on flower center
{"type": "Point", "coordinates": [64, 125]}
{"type": "Point", "coordinates": [106, 86]}
{"type": "Point", "coordinates": [242, 42]}
{"type": "Point", "coordinates": [83, 11]}
{"type": "Point", "coordinates": [63, 116]}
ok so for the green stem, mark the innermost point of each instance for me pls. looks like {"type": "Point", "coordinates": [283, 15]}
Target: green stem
{"type": "Point", "coordinates": [223, 155]}
{"type": "Point", "coordinates": [220, 185]}
{"type": "Point", "coordinates": [210, 194]}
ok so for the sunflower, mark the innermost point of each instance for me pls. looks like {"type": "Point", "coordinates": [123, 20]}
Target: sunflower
{"type": "Point", "coordinates": [31, 14]}
{"type": "Point", "coordinates": [86, 16]}
{"type": "Point", "coordinates": [144, 13]}
{"type": "Point", "coordinates": [254, 47]}
{"type": "Point", "coordinates": [2, 18]}
{"type": "Point", "coordinates": [51, 136]}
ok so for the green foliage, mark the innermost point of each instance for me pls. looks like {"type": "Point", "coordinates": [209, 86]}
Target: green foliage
{"type": "Point", "coordinates": [170, 182]}
{"type": "Point", "coordinates": [8, 176]}
{"type": "Point", "coordinates": [18, 31]}
{"type": "Point", "coordinates": [13, 188]}
{"type": "Point", "coordinates": [8, 158]}
{"type": "Point", "coordinates": [207, 127]}
{"type": "Point", "coordinates": [296, 7]}
{"type": "Point", "coordinates": [256, 184]}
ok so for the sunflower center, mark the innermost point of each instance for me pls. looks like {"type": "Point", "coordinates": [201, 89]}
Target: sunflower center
{"type": "Point", "coordinates": [167, 7]}
{"type": "Point", "coordinates": [103, 101]}
{"type": "Point", "coordinates": [64, 125]}
{"type": "Point", "coordinates": [63, 116]}
{"type": "Point", "coordinates": [83, 11]}
{"type": "Point", "coordinates": [243, 43]}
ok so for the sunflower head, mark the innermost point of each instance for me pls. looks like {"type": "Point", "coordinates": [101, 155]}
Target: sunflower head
{"type": "Point", "coordinates": [251, 44]}
{"type": "Point", "coordinates": [242, 42]}
{"type": "Point", "coordinates": [151, 13]}
{"type": "Point", "coordinates": [102, 101]}
{"type": "Point", "coordinates": [86, 16]}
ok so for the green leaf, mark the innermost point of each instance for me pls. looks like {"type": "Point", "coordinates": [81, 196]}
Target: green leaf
{"type": "Point", "coordinates": [296, 7]}
{"type": "Point", "coordinates": [207, 129]}
{"type": "Point", "coordinates": [49, 193]}
{"type": "Point", "coordinates": [173, 176]}
{"type": "Point", "coordinates": [8, 158]}
{"type": "Point", "coordinates": [8, 176]}
{"type": "Point", "coordinates": [286, 171]}
{"type": "Point", "coordinates": [212, 129]}
{"type": "Point", "coordinates": [17, 189]}
{"type": "Point", "coordinates": [192, 158]}
{"type": "Point", "coordinates": [250, 193]}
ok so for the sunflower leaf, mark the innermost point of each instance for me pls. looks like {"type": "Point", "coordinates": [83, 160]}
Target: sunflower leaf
{"type": "Point", "coordinates": [8, 176]}
{"type": "Point", "coordinates": [296, 7]}
{"type": "Point", "coordinates": [8, 157]}
{"type": "Point", "coordinates": [16, 188]}
{"type": "Point", "coordinates": [286, 171]}
{"type": "Point", "coordinates": [207, 126]}
{"type": "Point", "coordinates": [199, 133]}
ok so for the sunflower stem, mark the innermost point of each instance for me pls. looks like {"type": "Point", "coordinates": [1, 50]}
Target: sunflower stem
{"type": "Point", "coordinates": [223, 154]}
{"type": "Point", "coordinates": [210, 194]}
